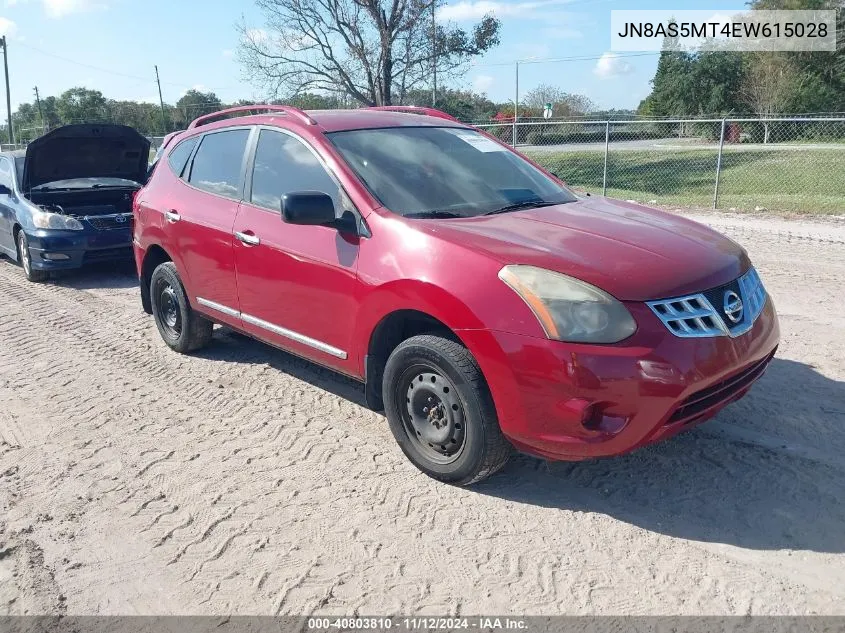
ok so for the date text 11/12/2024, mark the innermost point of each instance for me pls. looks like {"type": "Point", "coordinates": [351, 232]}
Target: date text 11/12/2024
{"type": "Point", "coordinates": [480, 623]}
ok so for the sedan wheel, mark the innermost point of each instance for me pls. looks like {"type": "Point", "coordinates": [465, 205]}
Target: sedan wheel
{"type": "Point", "coordinates": [25, 259]}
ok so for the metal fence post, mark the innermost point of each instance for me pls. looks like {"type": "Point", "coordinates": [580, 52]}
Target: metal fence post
{"type": "Point", "coordinates": [719, 165]}
{"type": "Point", "coordinates": [606, 148]}
{"type": "Point", "coordinates": [515, 104]}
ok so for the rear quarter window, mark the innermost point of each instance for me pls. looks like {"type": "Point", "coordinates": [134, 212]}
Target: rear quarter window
{"type": "Point", "coordinates": [178, 157]}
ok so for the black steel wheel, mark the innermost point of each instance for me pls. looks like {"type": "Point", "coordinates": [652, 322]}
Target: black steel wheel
{"type": "Point", "coordinates": [179, 325]}
{"type": "Point", "coordinates": [167, 307]}
{"type": "Point", "coordinates": [433, 416]}
{"type": "Point", "coordinates": [440, 410]}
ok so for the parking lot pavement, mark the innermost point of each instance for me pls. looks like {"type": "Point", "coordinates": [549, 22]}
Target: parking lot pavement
{"type": "Point", "coordinates": [244, 480]}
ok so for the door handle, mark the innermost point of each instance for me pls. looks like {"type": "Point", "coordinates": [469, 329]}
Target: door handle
{"type": "Point", "coordinates": [172, 216]}
{"type": "Point", "coordinates": [246, 238]}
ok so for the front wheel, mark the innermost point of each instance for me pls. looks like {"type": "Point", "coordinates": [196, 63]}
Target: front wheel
{"type": "Point", "coordinates": [440, 411]}
{"type": "Point", "coordinates": [25, 258]}
{"type": "Point", "coordinates": [181, 328]}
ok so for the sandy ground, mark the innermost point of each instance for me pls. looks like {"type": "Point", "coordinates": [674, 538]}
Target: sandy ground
{"type": "Point", "coordinates": [242, 480]}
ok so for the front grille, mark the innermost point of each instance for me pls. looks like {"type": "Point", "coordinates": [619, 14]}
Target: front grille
{"type": "Point", "coordinates": [729, 310]}
{"type": "Point", "coordinates": [701, 401]}
{"type": "Point", "coordinates": [716, 297]}
{"type": "Point", "coordinates": [109, 222]}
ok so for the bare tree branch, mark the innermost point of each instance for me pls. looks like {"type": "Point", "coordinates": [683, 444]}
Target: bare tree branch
{"type": "Point", "coordinates": [362, 48]}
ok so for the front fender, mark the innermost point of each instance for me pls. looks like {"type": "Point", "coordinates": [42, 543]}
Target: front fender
{"type": "Point", "coordinates": [416, 295]}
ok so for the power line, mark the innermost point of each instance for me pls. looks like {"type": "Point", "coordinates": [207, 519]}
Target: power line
{"type": "Point", "coordinates": [108, 70]}
{"type": "Point", "coordinates": [548, 60]}
{"type": "Point", "coordinates": [83, 64]}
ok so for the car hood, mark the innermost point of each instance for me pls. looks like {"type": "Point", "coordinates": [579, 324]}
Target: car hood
{"type": "Point", "coordinates": [633, 252]}
{"type": "Point", "coordinates": [86, 151]}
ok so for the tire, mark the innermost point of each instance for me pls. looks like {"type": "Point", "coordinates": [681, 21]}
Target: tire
{"type": "Point", "coordinates": [181, 328]}
{"type": "Point", "coordinates": [25, 259]}
{"type": "Point", "coordinates": [440, 411]}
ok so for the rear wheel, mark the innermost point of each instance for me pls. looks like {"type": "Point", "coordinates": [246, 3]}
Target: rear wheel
{"type": "Point", "coordinates": [181, 328]}
{"type": "Point", "coordinates": [440, 411]}
{"type": "Point", "coordinates": [25, 258]}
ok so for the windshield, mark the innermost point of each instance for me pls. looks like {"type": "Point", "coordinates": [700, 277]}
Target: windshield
{"type": "Point", "coordinates": [444, 171]}
{"type": "Point", "coordinates": [87, 183]}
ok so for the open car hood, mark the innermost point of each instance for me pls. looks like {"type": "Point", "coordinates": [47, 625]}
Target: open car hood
{"type": "Point", "coordinates": [86, 151]}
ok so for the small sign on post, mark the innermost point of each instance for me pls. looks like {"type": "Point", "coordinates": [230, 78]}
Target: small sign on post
{"type": "Point", "coordinates": [547, 111]}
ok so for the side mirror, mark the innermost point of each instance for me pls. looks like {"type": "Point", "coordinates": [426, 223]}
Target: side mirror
{"type": "Point", "coordinates": [5, 191]}
{"type": "Point", "coordinates": [312, 208]}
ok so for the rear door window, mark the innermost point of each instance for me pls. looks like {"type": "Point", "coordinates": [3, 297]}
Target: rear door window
{"type": "Point", "coordinates": [218, 163]}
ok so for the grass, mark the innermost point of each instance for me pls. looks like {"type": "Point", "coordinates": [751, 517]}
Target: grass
{"type": "Point", "coordinates": [802, 181]}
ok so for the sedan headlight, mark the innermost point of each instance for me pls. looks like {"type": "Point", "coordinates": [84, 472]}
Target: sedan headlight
{"type": "Point", "coordinates": [45, 220]}
{"type": "Point", "coordinates": [569, 309]}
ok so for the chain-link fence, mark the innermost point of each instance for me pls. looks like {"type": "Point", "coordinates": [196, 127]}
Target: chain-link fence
{"type": "Point", "coordinates": [784, 164]}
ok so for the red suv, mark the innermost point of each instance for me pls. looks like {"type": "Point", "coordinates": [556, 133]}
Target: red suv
{"type": "Point", "coordinates": [483, 305]}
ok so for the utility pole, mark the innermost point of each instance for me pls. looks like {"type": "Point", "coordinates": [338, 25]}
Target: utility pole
{"type": "Point", "coordinates": [40, 111]}
{"type": "Point", "coordinates": [161, 101]}
{"type": "Point", "coordinates": [8, 94]}
{"type": "Point", "coordinates": [434, 55]}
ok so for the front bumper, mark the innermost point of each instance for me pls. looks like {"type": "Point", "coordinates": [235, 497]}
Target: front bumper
{"type": "Point", "coordinates": [574, 401]}
{"type": "Point", "coordinates": [62, 250]}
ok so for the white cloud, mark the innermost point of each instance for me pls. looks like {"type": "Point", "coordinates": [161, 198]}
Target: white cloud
{"type": "Point", "coordinates": [228, 53]}
{"type": "Point", "coordinates": [526, 51]}
{"type": "Point", "coordinates": [562, 33]}
{"type": "Point", "coordinates": [482, 83]}
{"type": "Point", "coordinates": [474, 9]}
{"type": "Point", "coordinates": [7, 27]}
{"type": "Point", "coordinates": [612, 65]}
{"type": "Point", "coordinates": [61, 8]}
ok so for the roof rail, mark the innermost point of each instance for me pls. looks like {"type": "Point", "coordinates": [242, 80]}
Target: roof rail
{"type": "Point", "coordinates": [417, 110]}
{"type": "Point", "coordinates": [288, 110]}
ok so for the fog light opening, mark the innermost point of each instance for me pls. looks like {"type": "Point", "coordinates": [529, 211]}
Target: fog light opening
{"type": "Point", "coordinates": [55, 257]}
{"type": "Point", "coordinates": [591, 418]}
{"type": "Point", "coordinates": [598, 421]}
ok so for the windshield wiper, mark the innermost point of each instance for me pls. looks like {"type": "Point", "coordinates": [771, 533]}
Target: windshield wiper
{"type": "Point", "coordinates": [434, 213]}
{"type": "Point", "coordinates": [525, 204]}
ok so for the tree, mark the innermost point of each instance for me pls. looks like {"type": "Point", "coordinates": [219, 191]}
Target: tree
{"type": "Point", "coordinates": [770, 83]}
{"type": "Point", "coordinates": [687, 84]}
{"type": "Point", "coordinates": [312, 101]}
{"type": "Point", "coordinates": [376, 51]}
{"type": "Point", "coordinates": [464, 105]}
{"type": "Point", "coordinates": [563, 103]}
{"type": "Point", "coordinates": [770, 80]}
{"type": "Point", "coordinates": [822, 74]}
{"type": "Point", "coordinates": [194, 104]}
{"type": "Point", "coordinates": [81, 105]}
{"type": "Point", "coordinates": [719, 83]}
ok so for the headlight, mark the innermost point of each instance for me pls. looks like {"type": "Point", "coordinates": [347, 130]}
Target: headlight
{"type": "Point", "coordinates": [44, 220]}
{"type": "Point", "coordinates": [569, 309]}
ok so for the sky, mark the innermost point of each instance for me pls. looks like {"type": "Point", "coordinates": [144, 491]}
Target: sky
{"type": "Point", "coordinates": [113, 45]}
